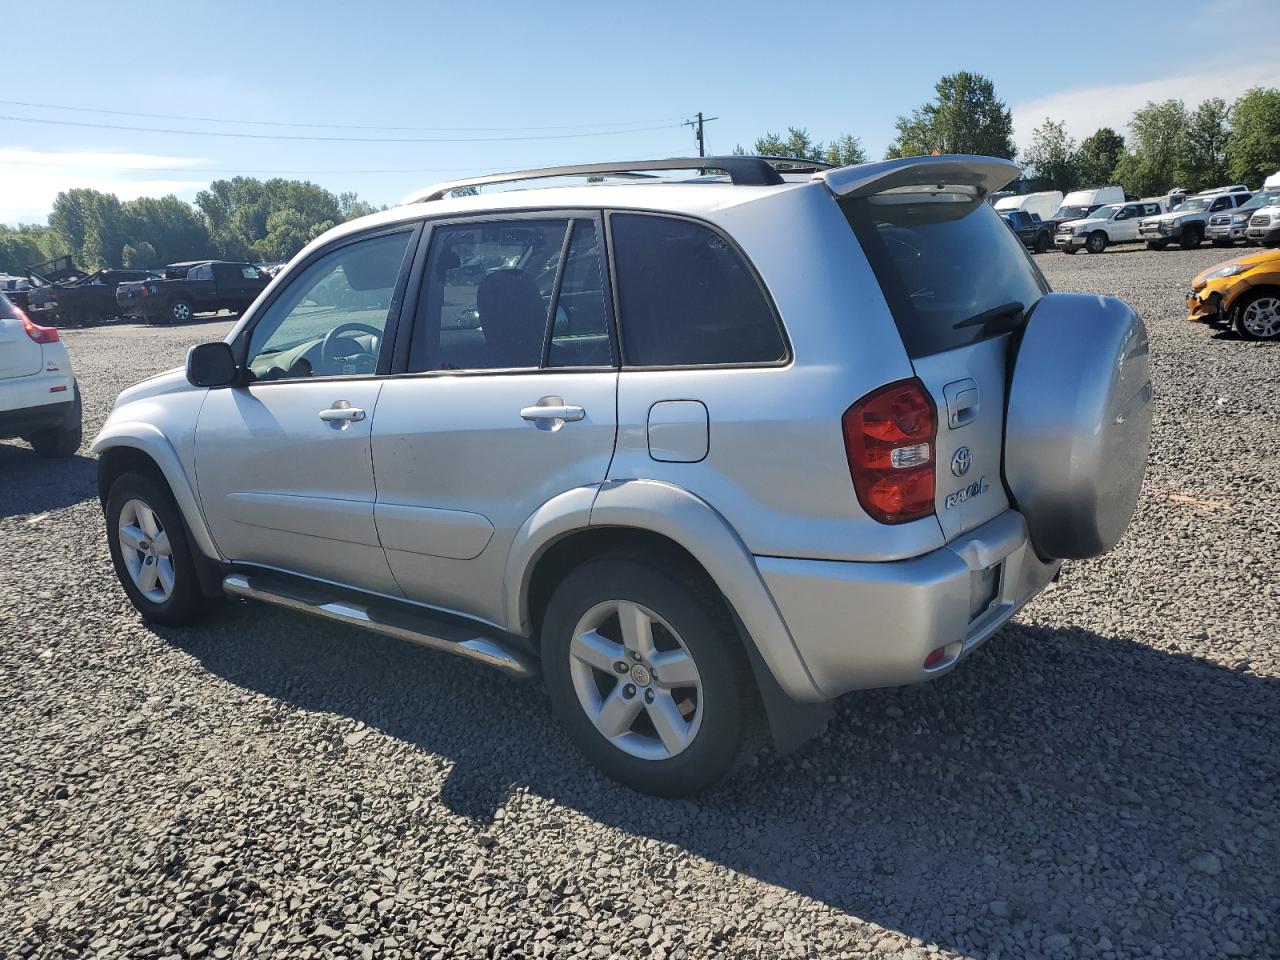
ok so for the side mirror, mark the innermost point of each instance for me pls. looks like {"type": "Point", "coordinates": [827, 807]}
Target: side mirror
{"type": "Point", "coordinates": [211, 365]}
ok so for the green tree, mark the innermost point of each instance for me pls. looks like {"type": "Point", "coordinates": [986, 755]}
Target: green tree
{"type": "Point", "coordinates": [1157, 149]}
{"type": "Point", "coordinates": [1052, 156]}
{"type": "Point", "coordinates": [1098, 155]}
{"type": "Point", "coordinates": [171, 229]}
{"type": "Point", "coordinates": [966, 117]}
{"type": "Point", "coordinates": [1253, 151]}
{"type": "Point", "coordinates": [26, 245]}
{"type": "Point", "coordinates": [239, 213]}
{"type": "Point", "coordinates": [1204, 152]}
{"type": "Point", "coordinates": [91, 226]}
{"type": "Point", "coordinates": [142, 256]}
{"type": "Point", "coordinates": [841, 151]}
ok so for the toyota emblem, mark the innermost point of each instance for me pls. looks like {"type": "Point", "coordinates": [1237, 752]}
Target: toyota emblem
{"type": "Point", "coordinates": [960, 462]}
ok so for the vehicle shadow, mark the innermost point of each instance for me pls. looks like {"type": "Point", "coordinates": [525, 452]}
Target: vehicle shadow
{"type": "Point", "coordinates": [30, 484]}
{"type": "Point", "coordinates": [1061, 783]}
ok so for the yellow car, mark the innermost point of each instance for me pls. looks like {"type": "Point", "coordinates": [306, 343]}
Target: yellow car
{"type": "Point", "coordinates": [1244, 291]}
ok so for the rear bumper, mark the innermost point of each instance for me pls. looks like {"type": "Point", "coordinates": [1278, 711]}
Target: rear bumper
{"type": "Point", "coordinates": [1264, 234]}
{"type": "Point", "coordinates": [19, 423]}
{"type": "Point", "coordinates": [862, 625]}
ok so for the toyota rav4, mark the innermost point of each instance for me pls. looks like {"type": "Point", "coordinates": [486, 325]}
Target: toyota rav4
{"type": "Point", "coordinates": [706, 451]}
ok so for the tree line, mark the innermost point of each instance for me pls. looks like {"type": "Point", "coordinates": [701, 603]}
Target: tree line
{"type": "Point", "coordinates": [244, 218]}
{"type": "Point", "coordinates": [238, 219]}
{"type": "Point", "coordinates": [1168, 145]}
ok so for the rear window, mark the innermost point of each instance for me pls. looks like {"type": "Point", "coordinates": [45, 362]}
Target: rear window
{"type": "Point", "coordinates": [941, 263]}
{"type": "Point", "coordinates": [686, 297]}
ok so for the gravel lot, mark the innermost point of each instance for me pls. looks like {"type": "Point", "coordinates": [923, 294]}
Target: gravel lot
{"type": "Point", "coordinates": [1100, 780]}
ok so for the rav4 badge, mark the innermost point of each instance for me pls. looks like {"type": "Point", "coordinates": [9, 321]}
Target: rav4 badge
{"type": "Point", "coordinates": [967, 493]}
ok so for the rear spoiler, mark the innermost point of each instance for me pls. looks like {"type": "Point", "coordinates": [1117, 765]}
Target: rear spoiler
{"type": "Point", "coordinates": [951, 173]}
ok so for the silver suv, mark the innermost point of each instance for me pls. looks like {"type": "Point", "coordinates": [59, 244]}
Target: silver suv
{"type": "Point", "coordinates": [706, 451]}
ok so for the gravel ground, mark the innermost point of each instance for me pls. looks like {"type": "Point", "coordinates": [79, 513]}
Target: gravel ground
{"type": "Point", "coordinates": [1100, 780]}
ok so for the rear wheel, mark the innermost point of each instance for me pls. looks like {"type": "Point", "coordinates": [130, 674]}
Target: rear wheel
{"type": "Point", "coordinates": [63, 440]}
{"type": "Point", "coordinates": [178, 312]}
{"type": "Point", "coordinates": [151, 553]}
{"type": "Point", "coordinates": [646, 672]}
{"type": "Point", "coordinates": [1157, 244]}
{"type": "Point", "coordinates": [1191, 238]}
{"type": "Point", "coordinates": [1097, 242]}
{"type": "Point", "coordinates": [1258, 316]}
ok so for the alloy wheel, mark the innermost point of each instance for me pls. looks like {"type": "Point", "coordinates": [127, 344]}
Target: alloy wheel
{"type": "Point", "coordinates": [144, 545]}
{"type": "Point", "coordinates": [181, 312]}
{"type": "Point", "coordinates": [636, 680]}
{"type": "Point", "coordinates": [1261, 318]}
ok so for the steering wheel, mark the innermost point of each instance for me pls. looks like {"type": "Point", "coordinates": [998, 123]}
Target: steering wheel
{"type": "Point", "coordinates": [328, 345]}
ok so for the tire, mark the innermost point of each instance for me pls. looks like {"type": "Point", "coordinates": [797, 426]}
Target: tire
{"type": "Point", "coordinates": [1191, 238]}
{"type": "Point", "coordinates": [179, 311]}
{"type": "Point", "coordinates": [182, 602]}
{"type": "Point", "coordinates": [1257, 316]}
{"type": "Point", "coordinates": [706, 725]}
{"type": "Point", "coordinates": [61, 441]}
{"type": "Point", "coordinates": [1157, 244]}
{"type": "Point", "coordinates": [1097, 242]}
{"type": "Point", "coordinates": [1042, 243]}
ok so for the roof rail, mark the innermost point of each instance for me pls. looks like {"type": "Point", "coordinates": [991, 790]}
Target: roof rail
{"type": "Point", "coordinates": [795, 164]}
{"type": "Point", "coordinates": [742, 171]}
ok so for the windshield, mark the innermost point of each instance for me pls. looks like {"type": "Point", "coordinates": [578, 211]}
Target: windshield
{"type": "Point", "coordinates": [1195, 204]}
{"type": "Point", "coordinates": [941, 263]}
{"type": "Point", "coordinates": [1071, 213]}
{"type": "Point", "coordinates": [1259, 200]}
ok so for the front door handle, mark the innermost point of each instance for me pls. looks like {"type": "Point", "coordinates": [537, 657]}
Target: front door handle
{"type": "Point", "coordinates": [342, 412]}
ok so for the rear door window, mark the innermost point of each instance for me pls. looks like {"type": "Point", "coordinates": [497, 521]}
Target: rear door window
{"type": "Point", "coordinates": [951, 272]}
{"type": "Point", "coordinates": [686, 297]}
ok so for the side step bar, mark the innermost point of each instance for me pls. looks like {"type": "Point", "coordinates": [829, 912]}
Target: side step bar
{"type": "Point", "coordinates": [385, 617]}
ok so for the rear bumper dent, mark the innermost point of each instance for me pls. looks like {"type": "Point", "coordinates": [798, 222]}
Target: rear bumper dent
{"type": "Point", "coordinates": [863, 625]}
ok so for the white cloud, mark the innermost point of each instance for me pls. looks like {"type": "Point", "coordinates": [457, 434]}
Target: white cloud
{"type": "Point", "coordinates": [31, 179]}
{"type": "Point", "coordinates": [1086, 109]}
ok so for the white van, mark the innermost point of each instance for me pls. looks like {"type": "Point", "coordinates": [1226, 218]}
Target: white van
{"type": "Point", "coordinates": [1272, 182]}
{"type": "Point", "coordinates": [1080, 203]}
{"type": "Point", "coordinates": [1043, 204]}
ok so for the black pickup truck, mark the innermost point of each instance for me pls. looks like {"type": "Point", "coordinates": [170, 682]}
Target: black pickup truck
{"type": "Point", "coordinates": [199, 286]}
{"type": "Point", "coordinates": [62, 295]}
{"type": "Point", "coordinates": [1031, 230]}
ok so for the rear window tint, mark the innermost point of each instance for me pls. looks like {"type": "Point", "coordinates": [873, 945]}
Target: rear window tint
{"type": "Point", "coordinates": [941, 262]}
{"type": "Point", "coordinates": [686, 297]}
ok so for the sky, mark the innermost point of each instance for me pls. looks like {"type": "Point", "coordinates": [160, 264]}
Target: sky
{"type": "Point", "coordinates": [308, 90]}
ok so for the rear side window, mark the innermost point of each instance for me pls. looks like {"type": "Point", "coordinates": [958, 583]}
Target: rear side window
{"type": "Point", "coordinates": [941, 264]}
{"type": "Point", "coordinates": [686, 297]}
{"type": "Point", "coordinates": [7, 310]}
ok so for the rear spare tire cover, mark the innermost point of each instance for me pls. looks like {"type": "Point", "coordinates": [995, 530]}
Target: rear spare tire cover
{"type": "Point", "coordinates": [1079, 423]}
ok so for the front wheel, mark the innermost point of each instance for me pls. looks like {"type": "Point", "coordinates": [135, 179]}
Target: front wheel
{"type": "Point", "coordinates": [1097, 242]}
{"type": "Point", "coordinates": [151, 553]}
{"type": "Point", "coordinates": [1258, 317]}
{"type": "Point", "coordinates": [647, 673]}
{"type": "Point", "coordinates": [1191, 238]}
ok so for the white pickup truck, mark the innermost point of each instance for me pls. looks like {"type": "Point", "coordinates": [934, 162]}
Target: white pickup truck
{"type": "Point", "coordinates": [1111, 223]}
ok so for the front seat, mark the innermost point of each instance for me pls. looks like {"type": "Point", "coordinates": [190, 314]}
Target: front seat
{"type": "Point", "coordinates": [513, 318]}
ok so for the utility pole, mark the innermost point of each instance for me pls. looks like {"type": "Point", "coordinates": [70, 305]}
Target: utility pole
{"type": "Point", "coordinates": [697, 131]}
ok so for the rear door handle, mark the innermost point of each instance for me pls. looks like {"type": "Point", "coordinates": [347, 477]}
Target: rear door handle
{"type": "Point", "coordinates": [561, 412]}
{"type": "Point", "coordinates": [342, 412]}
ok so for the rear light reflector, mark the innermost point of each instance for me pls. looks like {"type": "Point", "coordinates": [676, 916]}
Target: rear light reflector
{"type": "Point", "coordinates": [38, 333]}
{"type": "Point", "coordinates": [935, 657]}
{"type": "Point", "coordinates": [889, 439]}
{"type": "Point", "coordinates": [61, 389]}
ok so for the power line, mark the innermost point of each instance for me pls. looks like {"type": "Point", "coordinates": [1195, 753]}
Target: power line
{"type": "Point", "coordinates": [330, 126]}
{"type": "Point", "coordinates": [697, 131]}
{"type": "Point", "coordinates": [315, 139]}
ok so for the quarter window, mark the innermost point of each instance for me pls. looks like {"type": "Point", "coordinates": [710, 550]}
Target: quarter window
{"type": "Point", "coordinates": [686, 297]}
{"type": "Point", "coordinates": [329, 321]}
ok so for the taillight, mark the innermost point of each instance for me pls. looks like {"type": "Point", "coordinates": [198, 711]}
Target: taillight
{"type": "Point", "coordinates": [889, 438]}
{"type": "Point", "coordinates": [38, 333]}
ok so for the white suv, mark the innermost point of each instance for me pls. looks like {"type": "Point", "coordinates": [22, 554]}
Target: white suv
{"type": "Point", "coordinates": [39, 399]}
{"type": "Point", "coordinates": [700, 450]}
